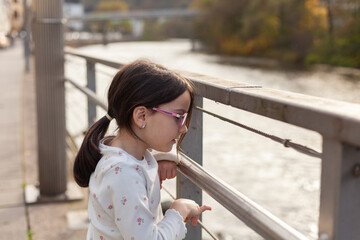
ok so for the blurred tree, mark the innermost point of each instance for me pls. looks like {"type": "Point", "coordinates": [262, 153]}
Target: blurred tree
{"type": "Point", "coordinates": [111, 6]}
{"type": "Point", "coordinates": [124, 26]}
{"type": "Point", "coordinates": [301, 23]}
{"type": "Point", "coordinates": [277, 28]}
{"type": "Point", "coordinates": [90, 5]}
{"type": "Point", "coordinates": [219, 27]}
{"type": "Point", "coordinates": [153, 31]}
{"type": "Point", "coordinates": [341, 46]}
{"type": "Point", "coordinates": [260, 27]}
{"type": "Point", "coordinates": [178, 28]}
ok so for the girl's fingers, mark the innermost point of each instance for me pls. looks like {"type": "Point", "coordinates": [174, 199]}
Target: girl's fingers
{"type": "Point", "coordinates": [167, 170]}
{"type": "Point", "coordinates": [171, 173]}
{"type": "Point", "coordinates": [195, 219]}
{"type": "Point", "coordinates": [174, 173]}
{"type": "Point", "coordinates": [168, 174]}
{"type": "Point", "coordinates": [163, 175]}
{"type": "Point", "coordinates": [204, 208]}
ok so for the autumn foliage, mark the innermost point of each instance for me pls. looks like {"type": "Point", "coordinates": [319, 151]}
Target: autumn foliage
{"type": "Point", "coordinates": [296, 31]}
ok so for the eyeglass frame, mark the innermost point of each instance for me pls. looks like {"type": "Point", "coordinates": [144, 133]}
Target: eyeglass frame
{"type": "Point", "coordinates": [176, 115]}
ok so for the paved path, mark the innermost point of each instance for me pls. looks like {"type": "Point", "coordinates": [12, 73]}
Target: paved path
{"type": "Point", "coordinates": [18, 160]}
{"type": "Point", "coordinates": [13, 224]}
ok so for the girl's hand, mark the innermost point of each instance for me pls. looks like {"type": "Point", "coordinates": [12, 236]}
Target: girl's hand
{"type": "Point", "coordinates": [189, 209]}
{"type": "Point", "coordinates": [166, 170]}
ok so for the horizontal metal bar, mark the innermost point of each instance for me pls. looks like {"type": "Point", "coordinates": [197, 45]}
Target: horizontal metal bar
{"type": "Point", "coordinates": [50, 20]}
{"type": "Point", "coordinates": [77, 53]}
{"type": "Point", "coordinates": [169, 13]}
{"type": "Point", "coordinates": [90, 94]}
{"type": "Point", "coordinates": [286, 142]}
{"type": "Point", "coordinates": [253, 215]}
{"type": "Point", "coordinates": [333, 119]}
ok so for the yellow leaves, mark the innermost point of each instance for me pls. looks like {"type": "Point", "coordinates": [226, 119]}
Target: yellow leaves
{"type": "Point", "coordinates": [235, 46]}
{"type": "Point", "coordinates": [232, 46]}
{"type": "Point", "coordinates": [315, 15]}
{"type": "Point", "coordinates": [291, 30]}
{"type": "Point", "coordinates": [202, 4]}
{"type": "Point", "coordinates": [270, 27]}
{"type": "Point", "coordinates": [111, 6]}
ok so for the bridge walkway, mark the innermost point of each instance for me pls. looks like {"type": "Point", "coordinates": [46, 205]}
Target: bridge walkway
{"type": "Point", "coordinates": [18, 160]}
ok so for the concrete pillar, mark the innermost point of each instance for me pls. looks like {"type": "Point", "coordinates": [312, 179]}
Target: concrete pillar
{"type": "Point", "coordinates": [48, 36]}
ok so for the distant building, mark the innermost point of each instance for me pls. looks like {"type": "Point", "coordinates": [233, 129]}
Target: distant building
{"type": "Point", "coordinates": [74, 8]}
{"type": "Point", "coordinates": [11, 16]}
{"type": "Point", "coordinates": [5, 25]}
{"type": "Point", "coordinates": [16, 15]}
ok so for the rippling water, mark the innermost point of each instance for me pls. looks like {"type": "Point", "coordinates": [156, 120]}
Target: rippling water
{"type": "Point", "coordinates": [283, 181]}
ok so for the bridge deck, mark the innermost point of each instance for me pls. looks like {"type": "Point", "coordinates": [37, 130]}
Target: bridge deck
{"type": "Point", "coordinates": [12, 209]}
{"type": "Point", "coordinates": [18, 159]}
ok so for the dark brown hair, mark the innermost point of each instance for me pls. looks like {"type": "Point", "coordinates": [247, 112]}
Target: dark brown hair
{"type": "Point", "coordinates": [140, 83]}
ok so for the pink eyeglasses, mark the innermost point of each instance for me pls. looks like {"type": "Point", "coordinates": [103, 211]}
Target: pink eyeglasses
{"type": "Point", "coordinates": [182, 118]}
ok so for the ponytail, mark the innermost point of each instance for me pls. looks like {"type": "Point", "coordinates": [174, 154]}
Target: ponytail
{"type": "Point", "coordinates": [89, 153]}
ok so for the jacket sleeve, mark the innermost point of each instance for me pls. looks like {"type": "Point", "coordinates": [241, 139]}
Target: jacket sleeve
{"type": "Point", "coordinates": [170, 156]}
{"type": "Point", "coordinates": [134, 213]}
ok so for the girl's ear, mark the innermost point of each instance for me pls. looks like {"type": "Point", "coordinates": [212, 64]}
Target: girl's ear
{"type": "Point", "coordinates": [140, 115]}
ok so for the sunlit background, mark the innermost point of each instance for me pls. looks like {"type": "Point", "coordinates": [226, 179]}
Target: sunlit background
{"type": "Point", "coordinates": [309, 47]}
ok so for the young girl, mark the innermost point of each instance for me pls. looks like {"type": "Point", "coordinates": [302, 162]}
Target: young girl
{"type": "Point", "coordinates": [152, 108]}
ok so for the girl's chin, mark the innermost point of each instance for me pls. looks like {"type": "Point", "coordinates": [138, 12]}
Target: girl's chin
{"type": "Point", "coordinates": [167, 148]}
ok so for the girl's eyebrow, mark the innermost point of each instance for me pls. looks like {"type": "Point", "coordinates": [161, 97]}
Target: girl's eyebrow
{"type": "Point", "coordinates": [181, 110]}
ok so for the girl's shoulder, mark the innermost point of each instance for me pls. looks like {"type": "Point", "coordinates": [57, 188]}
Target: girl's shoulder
{"type": "Point", "coordinates": [113, 167]}
{"type": "Point", "coordinates": [115, 158]}
{"type": "Point", "coordinates": [110, 152]}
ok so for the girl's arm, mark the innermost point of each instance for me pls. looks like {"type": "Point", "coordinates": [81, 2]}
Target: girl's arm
{"type": "Point", "coordinates": [168, 156]}
{"type": "Point", "coordinates": [189, 209]}
{"type": "Point", "coordinates": [167, 162]}
{"type": "Point", "coordinates": [167, 170]}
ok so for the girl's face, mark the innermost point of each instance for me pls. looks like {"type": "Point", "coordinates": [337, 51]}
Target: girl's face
{"type": "Point", "coordinates": [163, 131]}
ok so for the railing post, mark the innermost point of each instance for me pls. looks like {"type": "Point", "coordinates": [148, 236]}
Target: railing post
{"type": "Point", "coordinates": [50, 95]}
{"type": "Point", "coordinates": [193, 147]}
{"type": "Point", "coordinates": [340, 191]}
{"type": "Point", "coordinates": [105, 33]}
{"type": "Point", "coordinates": [91, 84]}
{"type": "Point", "coordinates": [26, 34]}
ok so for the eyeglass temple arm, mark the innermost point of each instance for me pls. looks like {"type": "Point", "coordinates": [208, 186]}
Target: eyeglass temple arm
{"type": "Point", "coordinates": [170, 113]}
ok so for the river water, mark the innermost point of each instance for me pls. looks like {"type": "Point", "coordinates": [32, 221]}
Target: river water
{"type": "Point", "coordinates": [281, 180]}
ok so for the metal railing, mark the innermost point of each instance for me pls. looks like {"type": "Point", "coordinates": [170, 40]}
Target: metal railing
{"type": "Point", "coordinates": [337, 122]}
{"type": "Point", "coordinates": [103, 20]}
